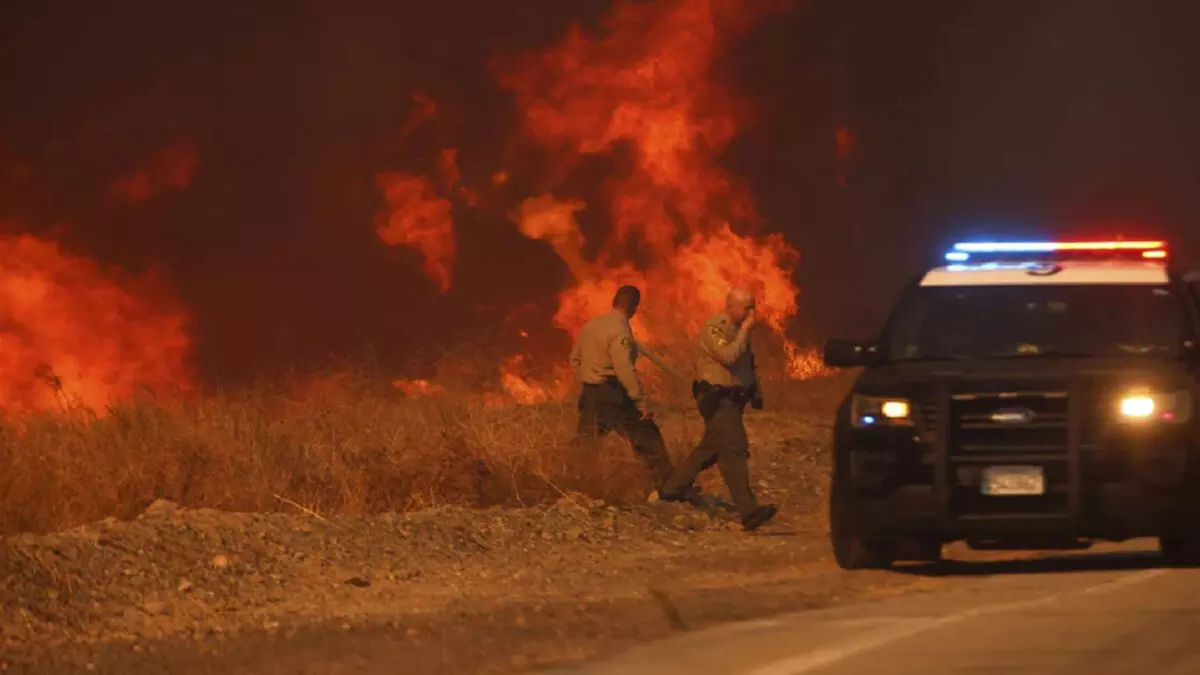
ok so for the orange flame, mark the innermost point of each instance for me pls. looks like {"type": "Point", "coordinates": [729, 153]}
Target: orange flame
{"type": "Point", "coordinates": [524, 389]}
{"type": "Point", "coordinates": [171, 167]}
{"type": "Point", "coordinates": [71, 334]}
{"type": "Point", "coordinates": [645, 87]}
{"type": "Point", "coordinates": [646, 84]}
{"type": "Point", "coordinates": [416, 216]}
{"type": "Point", "coordinates": [553, 221]}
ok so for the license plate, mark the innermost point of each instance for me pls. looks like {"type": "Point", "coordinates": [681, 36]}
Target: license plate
{"type": "Point", "coordinates": [1004, 481]}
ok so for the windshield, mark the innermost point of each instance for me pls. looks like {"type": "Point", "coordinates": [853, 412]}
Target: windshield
{"type": "Point", "coordinates": [1037, 320]}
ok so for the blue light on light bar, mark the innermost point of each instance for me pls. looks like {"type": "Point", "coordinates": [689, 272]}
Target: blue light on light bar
{"type": "Point", "coordinates": [993, 267]}
{"type": "Point", "coordinates": [967, 251]}
{"type": "Point", "coordinates": [1005, 247]}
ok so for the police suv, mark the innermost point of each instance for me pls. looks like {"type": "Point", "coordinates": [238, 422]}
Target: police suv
{"type": "Point", "coordinates": [1023, 396]}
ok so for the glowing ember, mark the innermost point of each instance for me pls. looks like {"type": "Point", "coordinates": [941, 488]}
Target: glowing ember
{"type": "Point", "coordinates": [416, 387]}
{"type": "Point", "coordinates": [171, 167]}
{"type": "Point", "coordinates": [417, 217]}
{"type": "Point", "coordinates": [69, 334]}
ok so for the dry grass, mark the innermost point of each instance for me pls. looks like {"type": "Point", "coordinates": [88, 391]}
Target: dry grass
{"type": "Point", "coordinates": [348, 443]}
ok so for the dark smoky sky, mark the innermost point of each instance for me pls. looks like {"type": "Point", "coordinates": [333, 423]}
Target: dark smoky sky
{"type": "Point", "coordinates": [970, 118]}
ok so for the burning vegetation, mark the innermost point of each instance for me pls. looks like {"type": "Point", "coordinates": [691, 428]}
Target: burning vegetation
{"type": "Point", "coordinates": [683, 229]}
{"type": "Point", "coordinates": [77, 335]}
{"type": "Point", "coordinates": [639, 94]}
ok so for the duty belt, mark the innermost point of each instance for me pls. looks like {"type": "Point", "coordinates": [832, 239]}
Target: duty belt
{"type": "Point", "coordinates": [708, 395]}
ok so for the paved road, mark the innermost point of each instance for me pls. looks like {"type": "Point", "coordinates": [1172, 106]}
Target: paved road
{"type": "Point", "coordinates": [1102, 614]}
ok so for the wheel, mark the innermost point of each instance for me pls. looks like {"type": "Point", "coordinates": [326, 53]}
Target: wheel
{"type": "Point", "coordinates": [1181, 551]}
{"type": "Point", "coordinates": [922, 550]}
{"type": "Point", "coordinates": [850, 550]}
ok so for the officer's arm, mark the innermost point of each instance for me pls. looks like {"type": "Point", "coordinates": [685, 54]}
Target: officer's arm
{"type": "Point", "coordinates": [727, 353]}
{"type": "Point", "coordinates": [577, 359]}
{"type": "Point", "coordinates": [659, 361]}
{"type": "Point", "coordinates": [619, 350]}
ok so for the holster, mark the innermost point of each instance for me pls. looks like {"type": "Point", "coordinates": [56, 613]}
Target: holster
{"type": "Point", "coordinates": [742, 395]}
{"type": "Point", "coordinates": [708, 396]}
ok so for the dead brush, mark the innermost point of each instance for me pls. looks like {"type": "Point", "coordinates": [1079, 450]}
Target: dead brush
{"type": "Point", "coordinates": [345, 442]}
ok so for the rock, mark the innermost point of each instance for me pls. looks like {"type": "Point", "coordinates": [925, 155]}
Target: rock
{"type": "Point", "coordinates": [220, 562]}
{"type": "Point", "coordinates": [357, 582]}
{"type": "Point", "coordinates": [184, 586]}
{"type": "Point", "coordinates": [160, 508]}
{"type": "Point", "coordinates": [155, 607]}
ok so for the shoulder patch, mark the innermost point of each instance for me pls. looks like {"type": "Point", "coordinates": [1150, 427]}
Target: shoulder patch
{"type": "Point", "coordinates": [626, 341]}
{"type": "Point", "coordinates": [718, 335]}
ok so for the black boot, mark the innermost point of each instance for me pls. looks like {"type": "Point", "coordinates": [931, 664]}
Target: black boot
{"type": "Point", "coordinates": [758, 517]}
{"type": "Point", "coordinates": [691, 495]}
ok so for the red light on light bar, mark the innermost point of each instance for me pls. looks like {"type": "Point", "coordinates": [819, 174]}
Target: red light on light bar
{"type": "Point", "coordinates": [1154, 254]}
{"type": "Point", "coordinates": [1051, 246]}
{"type": "Point", "coordinates": [1110, 246]}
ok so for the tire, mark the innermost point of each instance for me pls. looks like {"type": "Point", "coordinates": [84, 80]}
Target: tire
{"type": "Point", "coordinates": [850, 550]}
{"type": "Point", "coordinates": [1180, 551]}
{"type": "Point", "coordinates": [927, 551]}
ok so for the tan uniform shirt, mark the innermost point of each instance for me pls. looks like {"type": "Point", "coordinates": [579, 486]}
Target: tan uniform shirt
{"type": "Point", "coordinates": [605, 347]}
{"type": "Point", "coordinates": [725, 359]}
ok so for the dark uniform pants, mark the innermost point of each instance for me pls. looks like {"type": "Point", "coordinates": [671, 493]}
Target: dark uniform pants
{"type": "Point", "coordinates": [725, 444]}
{"type": "Point", "coordinates": [607, 407]}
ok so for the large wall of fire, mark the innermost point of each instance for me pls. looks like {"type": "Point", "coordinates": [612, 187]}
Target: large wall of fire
{"type": "Point", "coordinates": [640, 85]}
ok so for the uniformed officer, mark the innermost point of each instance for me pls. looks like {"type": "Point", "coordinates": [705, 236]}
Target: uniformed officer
{"type": "Point", "coordinates": [728, 381]}
{"type": "Point", "coordinates": [612, 398]}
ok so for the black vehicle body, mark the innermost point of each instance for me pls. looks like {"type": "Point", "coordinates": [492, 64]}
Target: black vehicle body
{"type": "Point", "coordinates": [902, 491]}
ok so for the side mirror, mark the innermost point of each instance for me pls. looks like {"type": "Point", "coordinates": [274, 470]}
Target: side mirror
{"type": "Point", "coordinates": [847, 353]}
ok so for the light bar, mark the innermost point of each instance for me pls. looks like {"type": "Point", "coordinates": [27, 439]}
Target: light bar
{"type": "Point", "coordinates": [1050, 246]}
{"type": "Point", "coordinates": [1149, 249]}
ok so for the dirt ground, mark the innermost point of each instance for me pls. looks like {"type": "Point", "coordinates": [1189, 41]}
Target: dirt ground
{"type": "Point", "coordinates": [451, 590]}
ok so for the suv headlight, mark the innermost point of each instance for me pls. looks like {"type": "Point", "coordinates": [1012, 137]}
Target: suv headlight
{"type": "Point", "coordinates": [1145, 406]}
{"type": "Point", "coordinates": [875, 411]}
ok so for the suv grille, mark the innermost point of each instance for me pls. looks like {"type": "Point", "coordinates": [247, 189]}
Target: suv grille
{"type": "Point", "coordinates": [1027, 423]}
{"type": "Point", "coordinates": [1011, 426]}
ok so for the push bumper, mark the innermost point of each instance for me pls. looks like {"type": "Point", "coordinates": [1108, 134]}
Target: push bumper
{"type": "Point", "coordinates": [1100, 482]}
{"type": "Point", "coordinates": [1113, 511]}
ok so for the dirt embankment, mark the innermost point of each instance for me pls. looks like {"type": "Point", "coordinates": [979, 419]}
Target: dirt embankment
{"type": "Point", "coordinates": [451, 590]}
